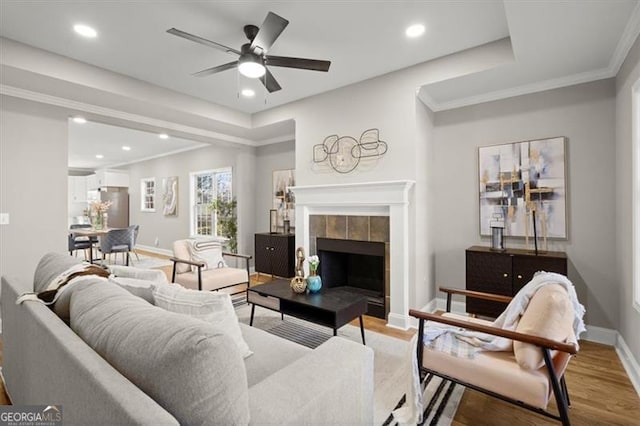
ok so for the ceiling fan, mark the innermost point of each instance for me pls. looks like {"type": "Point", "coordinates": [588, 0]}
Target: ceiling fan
{"type": "Point", "coordinates": [253, 59]}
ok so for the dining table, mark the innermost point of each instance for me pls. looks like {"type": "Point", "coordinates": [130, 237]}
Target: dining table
{"type": "Point", "coordinates": [89, 232]}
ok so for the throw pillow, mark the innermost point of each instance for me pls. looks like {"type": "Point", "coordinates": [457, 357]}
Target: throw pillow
{"type": "Point", "coordinates": [154, 275]}
{"type": "Point", "coordinates": [141, 288]}
{"type": "Point", "coordinates": [550, 315]}
{"type": "Point", "coordinates": [192, 369]}
{"type": "Point", "coordinates": [213, 307]}
{"type": "Point", "coordinates": [209, 252]}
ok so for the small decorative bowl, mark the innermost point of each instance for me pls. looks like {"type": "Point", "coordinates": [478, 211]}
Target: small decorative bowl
{"type": "Point", "coordinates": [298, 285]}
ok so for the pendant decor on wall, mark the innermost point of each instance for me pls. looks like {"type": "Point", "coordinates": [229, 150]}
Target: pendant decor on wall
{"type": "Point", "coordinates": [522, 185]}
{"type": "Point", "coordinates": [344, 153]}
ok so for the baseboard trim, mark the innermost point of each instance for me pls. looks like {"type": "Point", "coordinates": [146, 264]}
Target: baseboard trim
{"type": "Point", "coordinates": [400, 322]}
{"type": "Point", "coordinates": [155, 250]}
{"type": "Point", "coordinates": [605, 336]}
{"type": "Point", "coordinates": [629, 362]}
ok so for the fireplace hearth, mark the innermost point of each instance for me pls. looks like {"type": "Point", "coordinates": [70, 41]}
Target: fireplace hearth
{"type": "Point", "coordinates": [355, 266]}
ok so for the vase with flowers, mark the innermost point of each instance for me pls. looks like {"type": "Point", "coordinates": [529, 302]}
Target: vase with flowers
{"type": "Point", "coordinates": [314, 282]}
{"type": "Point", "coordinates": [98, 213]}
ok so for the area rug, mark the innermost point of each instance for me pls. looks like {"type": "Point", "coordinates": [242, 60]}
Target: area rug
{"type": "Point", "coordinates": [390, 373]}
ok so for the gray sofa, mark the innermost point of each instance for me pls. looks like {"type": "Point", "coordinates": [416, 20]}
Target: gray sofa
{"type": "Point", "coordinates": [46, 362]}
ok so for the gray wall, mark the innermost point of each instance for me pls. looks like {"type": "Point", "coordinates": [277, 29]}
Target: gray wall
{"type": "Point", "coordinates": [281, 156]}
{"type": "Point", "coordinates": [33, 185]}
{"type": "Point", "coordinates": [585, 115]}
{"type": "Point", "coordinates": [170, 228]}
{"type": "Point", "coordinates": [629, 316]}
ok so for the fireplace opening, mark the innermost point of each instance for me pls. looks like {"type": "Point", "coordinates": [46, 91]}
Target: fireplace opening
{"type": "Point", "coordinates": [356, 266]}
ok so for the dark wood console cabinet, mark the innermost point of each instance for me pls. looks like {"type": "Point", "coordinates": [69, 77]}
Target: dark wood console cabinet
{"type": "Point", "coordinates": [505, 272]}
{"type": "Point", "coordinates": [275, 254]}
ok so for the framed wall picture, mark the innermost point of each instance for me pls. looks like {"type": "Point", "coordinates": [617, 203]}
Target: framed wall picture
{"type": "Point", "coordinates": [283, 198]}
{"type": "Point", "coordinates": [521, 181]}
{"type": "Point", "coordinates": [170, 196]}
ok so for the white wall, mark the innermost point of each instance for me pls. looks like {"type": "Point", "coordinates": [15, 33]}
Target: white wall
{"type": "Point", "coordinates": [281, 156]}
{"type": "Point", "coordinates": [629, 317]}
{"type": "Point", "coordinates": [33, 185]}
{"type": "Point", "coordinates": [170, 228]}
{"type": "Point", "coordinates": [585, 115]}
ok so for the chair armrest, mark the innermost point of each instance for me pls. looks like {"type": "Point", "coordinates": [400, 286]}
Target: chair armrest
{"type": "Point", "coordinates": [477, 294]}
{"type": "Point", "coordinates": [318, 388]}
{"type": "Point", "coordinates": [570, 348]}
{"type": "Point", "coordinates": [241, 256]}
{"type": "Point", "coordinates": [188, 262]}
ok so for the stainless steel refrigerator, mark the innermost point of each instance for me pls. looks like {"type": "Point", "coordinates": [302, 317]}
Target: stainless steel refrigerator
{"type": "Point", "coordinates": [118, 214]}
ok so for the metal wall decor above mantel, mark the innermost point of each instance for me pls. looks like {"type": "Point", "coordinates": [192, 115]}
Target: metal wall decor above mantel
{"type": "Point", "coordinates": [343, 153]}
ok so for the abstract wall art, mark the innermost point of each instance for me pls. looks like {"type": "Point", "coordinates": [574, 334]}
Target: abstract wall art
{"type": "Point", "coordinates": [344, 153]}
{"type": "Point", "coordinates": [170, 196]}
{"type": "Point", "coordinates": [521, 182]}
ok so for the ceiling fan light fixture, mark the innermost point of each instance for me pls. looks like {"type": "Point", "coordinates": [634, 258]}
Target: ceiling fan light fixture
{"type": "Point", "coordinates": [251, 66]}
{"type": "Point", "coordinates": [414, 31]}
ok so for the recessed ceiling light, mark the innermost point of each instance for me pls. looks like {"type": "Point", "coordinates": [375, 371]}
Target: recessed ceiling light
{"type": "Point", "coordinates": [414, 31]}
{"type": "Point", "coordinates": [99, 156]}
{"type": "Point", "coordinates": [126, 148]}
{"type": "Point", "coordinates": [85, 31]}
{"type": "Point", "coordinates": [248, 93]}
{"type": "Point", "coordinates": [79, 120]}
{"type": "Point", "coordinates": [163, 136]}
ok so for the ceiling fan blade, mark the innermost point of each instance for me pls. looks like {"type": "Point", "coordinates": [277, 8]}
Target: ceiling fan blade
{"type": "Point", "coordinates": [214, 70]}
{"type": "Point", "coordinates": [270, 82]}
{"type": "Point", "coordinates": [204, 41]}
{"type": "Point", "coordinates": [301, 63]}
{"type": "Point", "coordinates": [270, 30]}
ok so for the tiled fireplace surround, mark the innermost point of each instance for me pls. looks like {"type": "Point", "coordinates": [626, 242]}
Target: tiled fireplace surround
{"type": "Point", "coordinates": [359, 228]}
{"type": "Point", "coordinates": [383, 204]}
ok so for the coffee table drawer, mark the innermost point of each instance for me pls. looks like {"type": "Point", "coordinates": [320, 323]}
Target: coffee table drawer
{"type": "Point", "coordinates": [266, 301]}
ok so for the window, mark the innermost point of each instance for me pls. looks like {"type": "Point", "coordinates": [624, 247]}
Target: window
{"type": "Point", "coordinates": [205, 187]}
{"type": "Point", "coordinates": [635, 198]}
{"type": "Point", "coordinates": [148, 195]}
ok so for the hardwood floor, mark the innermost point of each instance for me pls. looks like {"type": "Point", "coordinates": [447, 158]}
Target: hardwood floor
{"type": "Point", "coordinates": [600, 390]}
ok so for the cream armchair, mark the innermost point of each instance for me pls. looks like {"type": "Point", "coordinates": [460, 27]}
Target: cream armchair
{"type": "Point", "coordinates": [529, 374]}
{"type": "Point", "coordinates": [191, 272]}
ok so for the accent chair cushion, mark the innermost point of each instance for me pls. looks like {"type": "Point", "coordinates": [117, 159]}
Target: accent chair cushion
{"type": "Point", "coordinates": [181, 251]}
{"type": "Point", "coordinates": [189, 367]}
{"type": "Point", "coordinates": [213, 279]}
{"type": "Point", "coordinates": [154, 275]}
{"type": "Point", "coordinates": [214, 308]}
{"type": "Point", "coordinates": [550, 315]}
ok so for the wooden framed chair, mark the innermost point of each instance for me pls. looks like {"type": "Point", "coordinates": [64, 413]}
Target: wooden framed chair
{"type": "Point", "coordinates": [529, 374]}
{"type": "Point", "coordinates": [194, 273]}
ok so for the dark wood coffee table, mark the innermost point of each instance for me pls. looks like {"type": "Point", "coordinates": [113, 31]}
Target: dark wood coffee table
{"type": "Point", "coordinates": [332, 307]}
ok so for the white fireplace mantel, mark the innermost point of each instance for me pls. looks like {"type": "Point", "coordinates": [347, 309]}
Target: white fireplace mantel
{"type": "Point", "coordinates": [386, 198]}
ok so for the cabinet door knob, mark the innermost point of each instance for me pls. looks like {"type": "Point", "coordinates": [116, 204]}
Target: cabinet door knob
{"type": "Point", "coordinates": [519, 277]}
{"type": "Point", "coordinates": [505, 275]}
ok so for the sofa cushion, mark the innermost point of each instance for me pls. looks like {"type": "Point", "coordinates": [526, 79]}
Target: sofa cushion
{"type": "Point", "coordinates": [189, 367]}
{"type": "Point", "coordinates": [141, 288]}
{"type": "Point", "coordinates": [213, 279]}
{"type": "Point", "coordinates": [270, 353]}
{"type": "Point", "coordinates": [550, 315]}
{"type": "Point", "coordinates": [50, 266]}
{"type": "Point", "coordinates": [214, 308]}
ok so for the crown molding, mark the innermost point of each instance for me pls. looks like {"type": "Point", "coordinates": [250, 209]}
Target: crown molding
{"type": "Point", "coordinates": [628, 37]}
{"type": "Point", "coordinates": [542, 86]}
{"type": "Point", "coordinates": [17, 92]}
{"type": "Point", "coordinates": [164, 154]}
{"type": "Point", "coordinates": [284, 138]}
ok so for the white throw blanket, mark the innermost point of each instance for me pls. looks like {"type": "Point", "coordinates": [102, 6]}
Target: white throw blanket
{"type": "Point", "coordinates": [461, 342]}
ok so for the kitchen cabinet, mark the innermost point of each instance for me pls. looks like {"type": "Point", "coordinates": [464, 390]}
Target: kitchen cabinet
{"type": "Point", "coordinates": [275, 254]}
{"type": "Point", "coordinates": [77, 189]}
{"type": "Point", "coordinates": [111, 178]}
{"type": "Point", "coordinates": [505, 272]}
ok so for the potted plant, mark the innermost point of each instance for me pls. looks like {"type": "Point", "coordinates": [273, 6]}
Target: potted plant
{"type": "Point", "coordinates": [227, 220]}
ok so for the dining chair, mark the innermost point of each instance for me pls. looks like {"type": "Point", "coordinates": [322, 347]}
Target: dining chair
{"type": "Point", "coordinates": [76, 243]}
{"type": "Point", "coordinates": [117, 241]}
